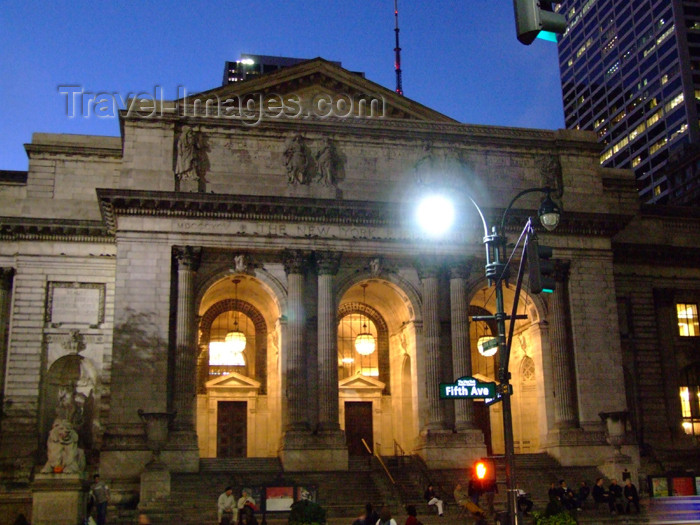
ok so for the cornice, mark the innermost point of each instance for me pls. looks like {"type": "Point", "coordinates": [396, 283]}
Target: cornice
{"type": "Point", "coordinates": [114, 203]}
{"type": "Point", "coordinates": [73, 150]}
{"type": "Point", "coordinates": [656, 255]}
{"type": "Point", "coordinates": [31, 229]}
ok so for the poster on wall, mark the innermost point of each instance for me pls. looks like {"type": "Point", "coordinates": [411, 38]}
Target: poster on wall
{"type": "Point", "coordinates": [683, 486]}
{"type": "Point", "coordinates": [279, 499]}
{"type": "Point", "coordinates": [659, 487]}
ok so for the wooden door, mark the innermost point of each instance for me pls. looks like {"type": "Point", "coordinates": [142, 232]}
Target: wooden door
{"type": "Point", "coordinates": [358, 425]}
{"type": "Point", "coordinates": [231, 429]}
{"type": "Point", "coordinates": [482, 416]}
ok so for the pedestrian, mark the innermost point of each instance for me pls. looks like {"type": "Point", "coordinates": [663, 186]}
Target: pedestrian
{"type": "Point", "coordinates": [99, 494]}
{"type": "Point", "coordinates": [412, 513]}
{"type": "Point", "coordinates": [566, 496]}
{"type": "Point", "coordinates": [582, 495]}
{"type": "Point", "coordinates": [432, 498]}
{"type": "Point", "coordinates": [600, 495]}
{"type": "Point", "coordinates": [631, 495]}
{"type": "Point", "coordinates": [616, 498]}
{"type": "Point", "coordinates": [524, 502]}
{"type": "Point", "coordinates": [370, 517]}
{"type": "Point", "coordinates": [385, 517]}
{"type": "Point", "coordinates": [226, 507]}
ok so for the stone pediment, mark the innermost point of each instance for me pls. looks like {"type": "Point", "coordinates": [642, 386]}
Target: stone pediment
{"type": "Point", "coordinates": [316, 90]}
{"type": "Point", "coordinates": [360, 383]}
{"type": "Point", "coordinates": [233, 383]}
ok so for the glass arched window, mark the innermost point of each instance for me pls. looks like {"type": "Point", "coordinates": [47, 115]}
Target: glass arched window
{"type": "Point", "coordinates": [690, 399]}
{"type": "Point", "coordinates": [221, 359]}
{"type": "Point", "coordinates": [350, 361]}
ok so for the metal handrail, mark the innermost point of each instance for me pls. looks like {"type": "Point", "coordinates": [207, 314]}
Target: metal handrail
{"type": "Point", "coordinates": [400, 449]}
{"type": "Point", "coordinates": [386, 470]}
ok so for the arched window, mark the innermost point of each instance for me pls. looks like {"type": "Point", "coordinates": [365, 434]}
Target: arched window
{"type": "Point", "coordinates": [221, 359]}
{"type": "Point", "coordinates": [690, 399]}
{"type": "Point", "coordinates": [350, 361]}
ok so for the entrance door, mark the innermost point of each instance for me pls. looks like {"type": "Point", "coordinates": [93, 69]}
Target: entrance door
{"type": "Point", "coordinates": [358, 425]}
{"type": "Point", "coordinates": [482, 415]}
{"type": "Point", "coordinates": [231, 429]}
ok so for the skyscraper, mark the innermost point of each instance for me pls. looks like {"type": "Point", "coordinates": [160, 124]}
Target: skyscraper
{"type": "Point", "coordinates": [630, 71]}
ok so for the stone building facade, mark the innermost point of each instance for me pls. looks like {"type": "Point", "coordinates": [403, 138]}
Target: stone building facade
{"type": "Point", "coordinates": [283, 208]}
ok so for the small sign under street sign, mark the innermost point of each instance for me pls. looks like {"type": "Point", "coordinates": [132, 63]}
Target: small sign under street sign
{"type": "Point", "coordinates": [467, 387]}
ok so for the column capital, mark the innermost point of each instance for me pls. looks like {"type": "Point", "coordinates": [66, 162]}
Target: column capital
{"type": "Point", "coordinates": [188, 257]}
{"type": "Point", "coordinates": [327, 262]}
{"type": "Point", "coordinates": [6, 275]}
{"type": "Point", "coordinates": [460, 267]}
{"type": "Point", "coordinates": [295, 261]}
{"type": "Point", "coordinates": [561, 270]}
{"type": "Point", "coordinates": [428, 266]}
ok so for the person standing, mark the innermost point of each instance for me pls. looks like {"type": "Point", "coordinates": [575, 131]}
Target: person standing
{"type": "Point", "coordinates": [583, 493]}
{"type": "Point", "coordinates": [99, 494]}
{"type": "Point", "coordinates": [431, 497]}
{"type": "Point", "coordinates": [226, 508]}
{"type": "Point", "coordinates": [385, 517]}
{"type": "Point", "coordinates": [631, 495]}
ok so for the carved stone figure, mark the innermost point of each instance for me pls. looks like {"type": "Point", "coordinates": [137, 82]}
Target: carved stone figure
{"type": "Point", "coordinates": [551, 174]}
{"type": "Point", "coordinates": [191, 163]}
{"type": "Point", "coordinates": [297, 161]}
{"type": "Point", "coordinates": [375, 266]}
{"type": "Point", "coordinates": [63, 452]}
{"type": "Point", "coordinates": [327, 163]}
{"type": "Point", "coordinates": [240, 264]}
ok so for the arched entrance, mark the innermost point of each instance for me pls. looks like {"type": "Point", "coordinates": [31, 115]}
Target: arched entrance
{"type": "Point", "coordinates": [376, 389]}
{"type": "Point", "coordinates": [236, 415]}
{"type": "Point", "coordinates": [526, 368]}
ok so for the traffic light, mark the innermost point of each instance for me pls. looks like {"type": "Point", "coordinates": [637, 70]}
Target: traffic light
{"type": "Point", "coordinates": [534, 16]}
{"type": "Point", "coordinates": [485, 470]}
{"type": "Point", "coordinates": [540, 267]}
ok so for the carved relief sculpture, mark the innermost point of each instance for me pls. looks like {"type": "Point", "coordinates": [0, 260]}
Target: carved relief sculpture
{"type": "Point", "coordinates": [297, 161]}
{"type": "Point", "coordinates": [327, 161]}
{"type": "Point", "coordinates": [64, 454]}
{"type": "Point", "coordinates": [551, 174]}
{"type": "Point", "coordinates": [192, 161]}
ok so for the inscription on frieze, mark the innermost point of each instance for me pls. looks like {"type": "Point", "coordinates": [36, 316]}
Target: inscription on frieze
{"type": "Point", "coordinates": [73, 303]}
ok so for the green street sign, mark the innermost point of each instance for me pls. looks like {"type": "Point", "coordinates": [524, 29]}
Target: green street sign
{"type": "Point", "coordinates": [467, 388]}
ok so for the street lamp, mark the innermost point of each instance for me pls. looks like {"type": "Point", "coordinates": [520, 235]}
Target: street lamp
{"type": "Point", "coordinates": [496, 262]}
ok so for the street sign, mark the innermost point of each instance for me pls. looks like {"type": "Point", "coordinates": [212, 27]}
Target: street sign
{"type": "Point", "coordinates": [493, 400]}
{"type": "Point", "coordinates": [467, 388]}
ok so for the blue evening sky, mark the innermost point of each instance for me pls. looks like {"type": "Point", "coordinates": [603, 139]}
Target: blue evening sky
{"type": "Point", "coordinates": [461, 58]}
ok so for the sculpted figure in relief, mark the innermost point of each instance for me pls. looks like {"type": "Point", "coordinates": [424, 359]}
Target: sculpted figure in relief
{"type": "Point", "coordinates": [297, 161]}
{"type": "Point", "coordinates": [327, 163]}
{"type": "Point", "coordinates": [191, 163]}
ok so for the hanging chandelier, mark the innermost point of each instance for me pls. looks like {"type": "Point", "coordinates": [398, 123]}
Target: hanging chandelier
{"type": "Point", "coordinates": [235, 339]}
{"type": "Point", "coordinates": [364, 342]}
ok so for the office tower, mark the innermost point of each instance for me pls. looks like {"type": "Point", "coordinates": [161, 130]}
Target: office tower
{"type": "Point", "coordinates": [630, 71]}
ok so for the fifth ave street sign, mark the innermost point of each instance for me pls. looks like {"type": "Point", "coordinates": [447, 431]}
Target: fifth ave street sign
{"type": "Point", "coordinates": [467, 388]}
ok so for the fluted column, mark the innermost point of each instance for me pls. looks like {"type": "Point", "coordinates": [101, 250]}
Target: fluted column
{"type": "Point", "coordinates": [6, 275]}
{"type": "Point", "coordinates": [327, 263]}
{"type": "Point", "coordinates": [185, 387]}
{"type": "Point", "coordinates": [461, 351]}
{"type": "Point", "coordinates": [565, 413]}
{"type": "Point", "coordinates": [428, 272]}
{"type": "Point", "coordinates": [294, 265]}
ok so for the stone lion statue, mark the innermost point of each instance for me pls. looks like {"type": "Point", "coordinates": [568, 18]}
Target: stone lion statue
{"type": "Point", "coordinates": [63, 449]}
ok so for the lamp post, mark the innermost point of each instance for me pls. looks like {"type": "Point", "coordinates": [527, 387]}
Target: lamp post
{"type": "Point", "coordinates": [496, 264]}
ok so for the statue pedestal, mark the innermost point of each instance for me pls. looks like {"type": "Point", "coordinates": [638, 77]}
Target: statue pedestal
{"type": "Point", "coordinates": [155, 485]}
{"type": "Point", "coordinates": [58, 499]}
{"type": "Point", "coordinates": [446, 449]}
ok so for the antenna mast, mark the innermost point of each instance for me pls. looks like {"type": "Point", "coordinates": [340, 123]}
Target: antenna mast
{"type": "Point", "coordinates": [397, 50]}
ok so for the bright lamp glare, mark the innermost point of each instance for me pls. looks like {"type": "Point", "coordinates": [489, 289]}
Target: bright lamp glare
{"type": "Point", "coordinates": [436, 214]}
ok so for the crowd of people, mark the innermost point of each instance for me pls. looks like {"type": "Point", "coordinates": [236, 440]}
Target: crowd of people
{"type": "Point", "coordinates": [619, 499]}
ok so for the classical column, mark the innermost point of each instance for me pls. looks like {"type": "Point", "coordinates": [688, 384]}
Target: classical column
{"type": "Point", "coordinates": [294, 265]}
{"type": "Point", "coordinates": [565, 414]}
{"type": "Point", "coordinates": [185, 387]}
{"type": "Point", "coordinates": [428, 271]}
{"type": "Point", "coordinates": [327, 263]}
{"type": "Point", "coordinates": [6, 275]}
{"type": "Point", "coordinates": [461, 351]}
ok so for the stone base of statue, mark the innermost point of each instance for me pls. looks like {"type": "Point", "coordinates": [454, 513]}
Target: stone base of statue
{"type": "Point", "coordinates": [58, 499]}
{"type": "Point", "coordinates": [303, 451]}
{"type": "Point", "coordinates": [155, 485]}
{"type": "Point", "coordinates": [447, 449]}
